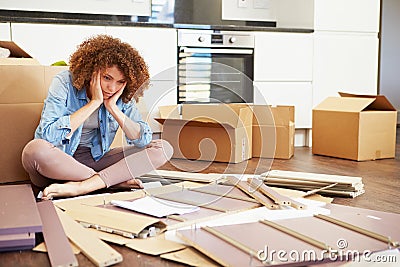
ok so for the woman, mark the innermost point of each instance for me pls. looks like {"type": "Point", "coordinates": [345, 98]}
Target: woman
{"type": "Point", "coordinates": [85, 106]}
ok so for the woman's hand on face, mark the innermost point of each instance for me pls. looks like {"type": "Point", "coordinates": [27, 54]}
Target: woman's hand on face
{"type": "Point", "coordinates": [112, 101]}
{"type": "Point", "coordinates": [96, 94]}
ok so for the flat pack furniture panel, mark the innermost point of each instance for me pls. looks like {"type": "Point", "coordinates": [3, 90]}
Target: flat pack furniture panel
{"type": "Point", "coordinates": [336, 185]}
{"type": "Point", "coordinates": [154, 245]}
{"type": "Point", "coordinates": [96, 250]}
{"type": "Point", "coordinates": [384, 223]}
{"type": "Point", "coordinates": [208, 201]}
{"type": "Point", "coordinates": [103, 199]}
{"type": "Point", "coordinates": [189, 256]}
{"type": "Point", "coordinates": [19, 213]}
{"type": "Point", "coordinates": [255, 236]}
{"type": "Point", "coordinates": [253, 192]}
{"type": "Point", "coordinates": [185, 176]}
{"type": "Point", "coordinates": [57, 244]}
{"type": "Point", "coordinates": [14, 242]}
{"type": "Point", "coordinates": [234, 245]}
{"type": "Point", "coordinates": [224, 191]}
{"type": "Point", "coordinates": [110, 220]}
{"type": "Point", "coordinates": [333, 235]}
{"type": "Point", "coordinates": [177, 221]}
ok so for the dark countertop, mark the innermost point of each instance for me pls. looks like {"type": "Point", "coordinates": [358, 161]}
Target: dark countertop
{"type": "Point", "coordinates": [112, 20]}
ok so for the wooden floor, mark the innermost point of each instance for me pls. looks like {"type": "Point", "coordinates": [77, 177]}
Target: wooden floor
{"type": "Point", "coordinates": [381, 179]}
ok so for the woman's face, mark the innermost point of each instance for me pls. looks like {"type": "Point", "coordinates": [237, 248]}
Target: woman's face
{"type": "Point", "coordinates": [111, 80]}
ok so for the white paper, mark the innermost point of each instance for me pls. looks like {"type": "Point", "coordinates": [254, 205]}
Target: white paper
{"type": "Point", "coordinates": [155, 207]}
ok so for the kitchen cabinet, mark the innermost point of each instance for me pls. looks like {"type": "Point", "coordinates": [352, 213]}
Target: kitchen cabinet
{"type": "Point", "coordinates": [329, 15]}
{"type": "Point", "coordinates": [345, 44]}
{"type": "Point", "coordinates": [283, 56]}
{"type": "Point", "coordinates": [347, 15]}
{"type": "Point", "coordinates": [283, 72]}
{"type": "Point", "coordinates": [344, 62]}
{"type": "Point", "coordinates": [5, 31]}
{"type": "Point", "coordinates": [346, 50]}
{"type": "Point", "coordinates": [298, 94]}
{"type": "Point", "coordinates": [49, 43]}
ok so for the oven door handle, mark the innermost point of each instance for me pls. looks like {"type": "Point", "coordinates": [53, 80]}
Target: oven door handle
{"type": "Point", "coordinates": [216, 51]}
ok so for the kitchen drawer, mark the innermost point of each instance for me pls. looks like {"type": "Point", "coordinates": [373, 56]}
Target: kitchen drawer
{"type": "Point", "coordinates": [298, 94]}
{"type": "Point", "coordinates": [283, 56]}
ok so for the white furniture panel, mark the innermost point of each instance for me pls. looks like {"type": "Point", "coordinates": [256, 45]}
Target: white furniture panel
{"type": "Point", "coordinates": [298, 94]}
{"type": "Point", "coordinates": [344, 62]}
{"type": "Point", "coordinates": [49, 43]}
{"type": "Point", "coordinates": [347, 15]}
{"type": "Point", "coordinates": [5, 31]}
{"type": "Point", "coordinates": [282, 56]}
{"type": "Point", "coordinates": [156, 45]}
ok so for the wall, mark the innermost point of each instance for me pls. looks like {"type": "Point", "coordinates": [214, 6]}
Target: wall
{"type": "Point", "coordinates": [111, 7]}
{"type": "Point", "coordinates": [294, 14]}
{"type": "Point", "coordinates": [252, 10]}
{"type": "Point", "coordinates": [389, 80]}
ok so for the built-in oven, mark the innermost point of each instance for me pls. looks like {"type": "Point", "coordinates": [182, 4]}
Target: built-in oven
{"type": "Point", "coordinates": [215, 66]}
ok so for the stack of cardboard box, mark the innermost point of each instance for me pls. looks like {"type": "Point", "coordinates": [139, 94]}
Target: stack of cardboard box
{"type": "Point", "coordinates": [228, 132]}
{"type": "Point", "coordinates": [23, 88]}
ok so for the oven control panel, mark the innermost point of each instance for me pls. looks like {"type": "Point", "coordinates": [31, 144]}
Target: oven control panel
{"type": "Point", "coordinates": [209, 38]}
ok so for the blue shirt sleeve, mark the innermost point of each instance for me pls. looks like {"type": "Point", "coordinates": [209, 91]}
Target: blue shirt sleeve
{"type": "Point", "coordinates": [55, 123]}
{"type": "Point", "coordinates": [146, 133]}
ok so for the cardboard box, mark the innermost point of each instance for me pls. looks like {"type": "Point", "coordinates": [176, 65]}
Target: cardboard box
{"type": "Point", "coordinates": [273, 131]}
{"type": "Point", "coordinates": [23, 89]}
{"type": "Point", "coordinates": [212, 132]}
{"type": "Point", "coordinates": [356, 127]}
{"type": "Point", "coordinates": [17, 55]}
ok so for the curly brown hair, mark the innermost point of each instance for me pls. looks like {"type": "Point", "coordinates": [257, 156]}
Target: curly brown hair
{"type": "Point", "coordinates": [103, 51]}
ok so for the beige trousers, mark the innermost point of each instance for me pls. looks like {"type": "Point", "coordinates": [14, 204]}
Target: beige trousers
{"type": "Point", "coordinates": [46, 164]}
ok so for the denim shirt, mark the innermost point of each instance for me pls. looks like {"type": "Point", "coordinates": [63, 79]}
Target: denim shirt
{"type": "Point", "coordinates": [63, 100]}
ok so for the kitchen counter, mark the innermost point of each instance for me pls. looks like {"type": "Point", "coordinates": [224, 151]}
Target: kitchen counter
{"type": "Point", "coordinates": [112, 20]}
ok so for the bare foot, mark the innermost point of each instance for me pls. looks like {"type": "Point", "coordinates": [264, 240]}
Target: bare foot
{"type": "Point", "coordinates": [133, 183]}
{"type": "Point", "coordinates": [69, 189]}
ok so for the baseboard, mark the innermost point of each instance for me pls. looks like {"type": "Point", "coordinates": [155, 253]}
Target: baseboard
{"type": "Point", "coordinates": [302, 137]}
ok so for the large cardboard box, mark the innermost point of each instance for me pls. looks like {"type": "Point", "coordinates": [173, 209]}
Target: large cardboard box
{"type": "Point", "coordinates": [273, 131]}
{"type": "Point", "coordinates": [23, 88]}
{"type": "Point", "coordinates": [211, 132]}
{"type": "Point", "coordinates": [356, 127]}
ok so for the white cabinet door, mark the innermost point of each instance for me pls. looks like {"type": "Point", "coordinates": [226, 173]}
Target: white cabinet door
{"type": "Point", "coordinates": [344, 62]}
{"type": "Point", "coordinates": [5, 31]}
{"type": "Point", "coordinates": [157, 46]}
{"type": "Point", "coordinates": [347, 15]}
{"type": "Point", "coordinates": [282, 56]}
{"type": "Point", "coordinates": [298, 94]}
{"type": "Point", "coordinates": [49, 43]}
